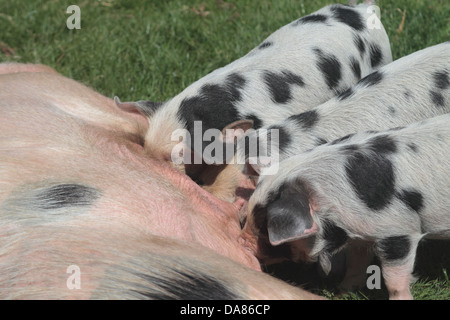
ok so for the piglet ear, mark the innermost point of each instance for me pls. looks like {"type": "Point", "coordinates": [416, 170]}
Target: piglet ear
{"type": "Point", "coordinates": [289, 216]}
{"type": "Point", "coordinates": [143, 107]}
{"type": "Point", "coordinates": [232, 133]}
{"type": "Point", "coordinates": [236, 130]}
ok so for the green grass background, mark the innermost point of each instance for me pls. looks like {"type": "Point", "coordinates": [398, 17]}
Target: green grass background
{"type": "Point", "coordinates": [154, 49]}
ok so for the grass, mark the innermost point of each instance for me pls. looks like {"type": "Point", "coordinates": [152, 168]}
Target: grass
{"type": "Point", "coordinates": [154, 49]}
{"type": "Point", "coordinates": [148, 49]}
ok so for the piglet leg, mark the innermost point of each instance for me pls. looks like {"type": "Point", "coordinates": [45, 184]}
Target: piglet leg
{"type": "Point", "coordinates": [397, 255]}
{"type": "Point", "coordinates": [397, 280]}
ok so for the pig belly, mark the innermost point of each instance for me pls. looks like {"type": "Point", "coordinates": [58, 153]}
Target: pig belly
{"type": "Point", "coordinates": [46, 146]}
{"type": "Point", "coordinates": [85, 214]}
{"type": "Point", "coordinates": [6, 68]}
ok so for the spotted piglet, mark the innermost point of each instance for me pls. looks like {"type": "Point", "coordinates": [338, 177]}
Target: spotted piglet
{"type": "Point", "coordinates": [410, 89]}
{"type": "Point", "coordinates": [298, 67]}
{"type": "Point", "coordinates": [391, 188]}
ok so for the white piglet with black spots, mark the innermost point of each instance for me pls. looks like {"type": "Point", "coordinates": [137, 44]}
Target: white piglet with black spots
{"type": "Point", "coordinates": [391, 188]}
{"type": "Point", "coordinates": [410, 89]}
{"type": "Point", "coordinates": [298, 67]}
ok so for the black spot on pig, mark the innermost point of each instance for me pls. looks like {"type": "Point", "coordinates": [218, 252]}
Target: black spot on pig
{"type": "Point", "coordinates": [280, 84]}
{"type": "Point", "coordinates": [306, 119]}
{"type": "Point", "coordinates": [356, 68]}
{"type": "Point", "coordinates": [334, 236]}
{"type": "Point", "coordinates": [350, 148]}
{"type": "Point", "coordinates": [330, 67]}
{"type": "Point", "coordinates": [235, 82]}
{"type": "Point", "coordinates": [396, 128]}
{"type": "Point", "coordinates": [383, 144]}
{"type": "Point", "coordinates": [319, 141]}
{"type": "Point", "coordinates": [348, 16]}
{"type": "Point", "coordinates": [376, 55]}
{"type": "Point", "coordinates": [407, 94]}
{"type": "Point", "coordinates": [257, 123]}
{"type": "Point", "coordinates": [359, 42]}
{"type": "Point", "coordinates": [214, 106]}
{"type": "Point", "coordinates": [437, 98]}
{"type": "Point", "coordinates": [413, 147]}
{"type": "Point", "coordinates": [412, 198]}
{"type": "Point", "coordinates": [372, 177]}
{"type": "Point", "coordinates": [345, 94]}
{"type": "Point", "coordinates": [265, 45]}
{"type": "Point", "coordinates": [342, 139]}
{"type": "Point", "coordinates": [182, 285]}
{"type": "Point", "coordinates": [284, 139]}
{"type": "Point", "coordinates": [371, 79]}
{"type": "Point", "coordinates": [441, 80]}
{"type": "Point", "coordinates": [394, 248]}
{"type": "Point", "coordinates": [312, 18]}
{"type": "Point", "coordinates": [66, 195]}
{"type": "Point", "coordinates": [288, 215]}
{"type": "Point", "coordinates": [392, 110]}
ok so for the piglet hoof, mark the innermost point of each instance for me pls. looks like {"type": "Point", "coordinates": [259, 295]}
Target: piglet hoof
{"type": "Point", "coordinates": [400, 295]}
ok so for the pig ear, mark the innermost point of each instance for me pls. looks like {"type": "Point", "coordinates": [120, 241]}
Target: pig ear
{"type": "Point", "coordinates": [143, 107]}
{"type": "Point", "coordinates": [236, 129]}
{"type": "Point", "coordinates": [289, 217]}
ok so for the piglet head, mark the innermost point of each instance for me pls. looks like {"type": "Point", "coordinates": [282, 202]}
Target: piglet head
{"type": "Point", "coordinates": [289, 216]}
{"type": "Point", "coordinates": [283, 212]}
{"type": "Point", "coordinates": [214, 166]}
{"type": "Point", "coordinates": [201, 152]}
{"type": "Point", "coordinates": [281, 216]}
